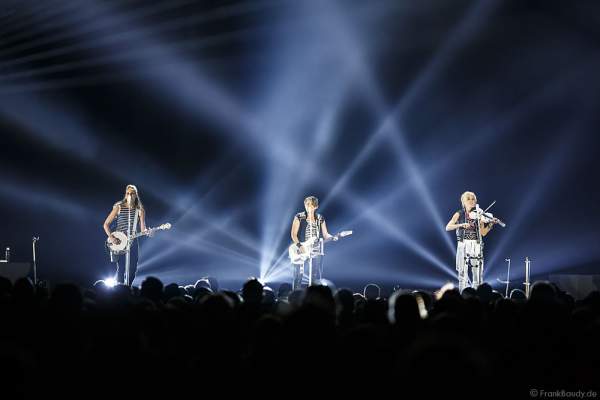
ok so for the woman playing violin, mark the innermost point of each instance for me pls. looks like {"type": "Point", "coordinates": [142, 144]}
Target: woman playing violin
{"type": "Point", "coordinates": [470, 228]}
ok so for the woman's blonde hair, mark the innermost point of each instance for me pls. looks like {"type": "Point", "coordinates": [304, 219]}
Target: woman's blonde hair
{"type": "Point", "coordinates": [463, 197]}
{"type": "Point", "coordinates": [312, 200]}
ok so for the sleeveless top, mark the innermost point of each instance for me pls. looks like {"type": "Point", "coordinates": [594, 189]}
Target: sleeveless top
{"type": "Point", "coordinates": [466, 233]}
{"type": "Point", "coordinates": [126, 219]}
{"type": "Point", "coordinates": [307, 229]}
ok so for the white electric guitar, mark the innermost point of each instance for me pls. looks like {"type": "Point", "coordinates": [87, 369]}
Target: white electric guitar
{"type": "Point", "coordinates": [121, 244]}
{"type": "Point", "coordinates": [299, 254]}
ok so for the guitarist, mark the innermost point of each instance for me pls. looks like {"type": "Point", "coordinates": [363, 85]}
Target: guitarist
{"type": "Point", "coordinates": [129, 212]}
{"type": "Point", "coordinates": [308, 225]}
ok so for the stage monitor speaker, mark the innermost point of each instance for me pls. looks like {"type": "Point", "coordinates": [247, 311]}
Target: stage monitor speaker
{"type": "Point", "coordinates": [14, 270]}
{"type": "Point", "coordinates": [579, 286]}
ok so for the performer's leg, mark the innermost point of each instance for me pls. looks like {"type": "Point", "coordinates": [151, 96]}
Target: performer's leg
{"type": "Point", "coordinates": [463, 278]}
{"type": "Point", "coordinates": [120, 264]}
{"type": "Point", "coordinates": [133, 261]}
{"type": "Point", "coordinates": [461, 267]}
{"type": "Point", "coordinates": [476, 275]}
{"type": "Point", "coordinates": [314, 277]}
{"type": "Point", "coordinates": [296, 276]}
{"type": "Point", "coordinates": [477, 266]}
{"type": "Point", "coordinates": [481, 262]}
{"type": "Point", "coordinates": [317, 269]}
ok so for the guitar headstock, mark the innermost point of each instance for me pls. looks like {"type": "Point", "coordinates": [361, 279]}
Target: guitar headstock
{"type": "Point", "coordinates": [344, 233]}
{"type": "Point", "coordinates": [162, 227]}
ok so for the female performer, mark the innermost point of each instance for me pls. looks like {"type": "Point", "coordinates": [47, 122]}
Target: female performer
{"type": "Point", "coordinates": [469, 234]}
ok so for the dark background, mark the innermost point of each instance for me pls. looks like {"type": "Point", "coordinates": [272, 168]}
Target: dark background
{"type": "Point", "coordinates": [227, 114]}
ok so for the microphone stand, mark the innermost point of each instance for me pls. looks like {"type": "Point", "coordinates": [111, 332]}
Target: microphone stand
{"type": "Point", "coordinates": [527, 276]}
{"type": "Point", "coordinates": [480, 242]}
{"type": "Point", "coordinates": [34, 241]}
{"type": "Point", "coordinates": [507, 281]}
{"type": "Point", "coordinates": [128, 251]}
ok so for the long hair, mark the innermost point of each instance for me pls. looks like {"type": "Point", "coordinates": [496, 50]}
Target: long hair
{"type": "Point", "coordinates": [137, 202]}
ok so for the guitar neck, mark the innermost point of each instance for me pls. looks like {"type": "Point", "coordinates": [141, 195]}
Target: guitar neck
{"type": "Point", "coordinates": [339, 235]}
{"type": "Point", "coordinates": [332, 237]}
{"type": "Point", "coordinates": [137, 235]}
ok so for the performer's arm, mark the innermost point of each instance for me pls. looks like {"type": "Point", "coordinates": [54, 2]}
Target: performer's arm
{"type": "Point", "coordinates": [142, 219]}
{"type": "Point", "coordinates": [326, 234]}
{"type": "Point", "coordinates": [110, 219]}
{"type": "Point", "coordinates": [295, 228]}
{"type": "Point", "coordinates": [484, 229]}
{"type": "Point", "coordinates": [453, 223]}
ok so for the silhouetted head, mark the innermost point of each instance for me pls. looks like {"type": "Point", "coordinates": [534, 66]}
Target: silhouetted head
{"type": "Point", "coordinates": [214, 283]}
{"type": "Point", "coordinates": [517, 295]}
{"type": "Point", "coordinates": [171, 291]}
{"type": "Point", "coordinates": [403, 309]}
{"type": "Point", "coordinates": [152, 289]}
{"type": "Point", "coordinates": [321, 297]}
{"type": "Point", "coordinates": [358, 298]}
{"type": "Point", "coordinates": [344, 301]}
{"type": "Point", "coordinates": [496, 295]}
{"type": "Point", "coordinates": [190, 290]}
{"type": "Point", "coordinates": [371, 291]}
{"type": "Point", "coordinates": [469, 292]}
{"type": "Point", "coordinates": [295, 298]}
{"type": "Point", "coordinates": [543, 292]}
{"type": "Point", "coordinates": [284, 290]}
{"type": "Point", "coordinates": [233, 296]}
{"type": "Point", "coordinates": [268, 296]}
{"type": "Point", "coordinates": [201, 293]}
{"type": "Point", "coordinates": [252, 292]}
{"type": "Point", "coordinates": [217, 306]}
{"type": "Point", "coordinates": [203, 283]}
{"type": "Point", "coordinates": [484, 292]}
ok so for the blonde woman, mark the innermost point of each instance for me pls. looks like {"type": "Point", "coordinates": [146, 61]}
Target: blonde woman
{"type": "Point", "coordinates": [469, 234]}
{"type": "Point", "coordinates": [129, 214]}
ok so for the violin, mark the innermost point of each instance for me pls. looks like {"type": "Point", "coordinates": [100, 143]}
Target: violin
{"type": "Point", "coordinates": [486, 217]}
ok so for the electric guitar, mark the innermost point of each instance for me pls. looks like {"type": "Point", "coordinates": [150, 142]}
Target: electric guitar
{"type": "Point", "coordinates": [122, 243]}
{"type": "Point", "coordinates": [299, 254]}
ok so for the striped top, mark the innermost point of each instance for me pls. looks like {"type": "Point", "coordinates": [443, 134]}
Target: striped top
{"type": "Point", "coordinates": [310, 229]}
{"type": "Point", "coordinates": [126, 221]}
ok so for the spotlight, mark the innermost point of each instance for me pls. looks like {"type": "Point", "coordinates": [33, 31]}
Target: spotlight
{"type": "Point", "coordinates": [110, 282]}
